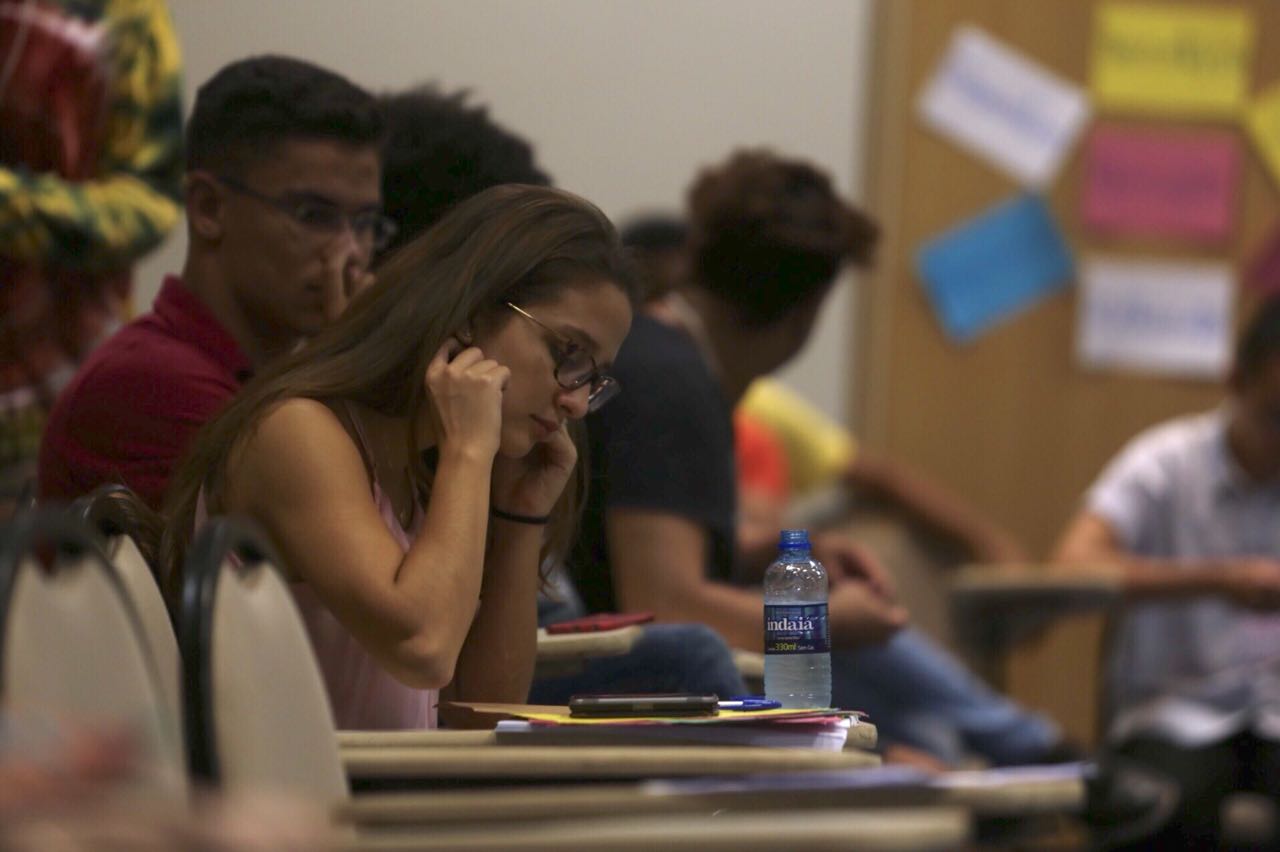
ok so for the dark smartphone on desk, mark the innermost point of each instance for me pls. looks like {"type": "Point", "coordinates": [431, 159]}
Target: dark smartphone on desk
{"type": "Point", "coordinates": [640, 704]}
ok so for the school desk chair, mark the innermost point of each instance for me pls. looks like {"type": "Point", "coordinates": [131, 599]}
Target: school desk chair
{"type": "Point", "coordinates": [127, 529]}
{"type": "Point", "coordinates": [1001, 607]}
{"type": "Point", "coordinates": [996, 608]}
{"type": "Point", "coordinates": [121, 520]}
{"type": "Point", "coordinates": [71, 644]}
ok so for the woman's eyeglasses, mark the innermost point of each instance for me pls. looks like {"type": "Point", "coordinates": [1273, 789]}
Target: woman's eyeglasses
{"type": "Point", "coordinates": [575, 367]}
{"type": "Point", "coordinates": [321, 215]}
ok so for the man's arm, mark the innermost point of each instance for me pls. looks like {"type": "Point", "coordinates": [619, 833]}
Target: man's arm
{"type": "Point", "coordinates": [760, 518]}
{"type": "Point", "coordinates": [933, 507]}
{"type": "Point", "coordinates": [1090, 541]}
{"type": "Point", "coordinates": [822, 451]}
{"type": "Point", "coordinates": [658, 565]}
{"type": "Point", "coordinates": [657, 560]}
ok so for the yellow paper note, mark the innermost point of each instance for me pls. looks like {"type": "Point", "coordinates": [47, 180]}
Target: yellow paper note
{"type": "Point", "coordinates": [1184, 60]}
{"type": "Point", "coordinates": [726, 718]}
{"type": "Point", "coordinates": [1264, 127]}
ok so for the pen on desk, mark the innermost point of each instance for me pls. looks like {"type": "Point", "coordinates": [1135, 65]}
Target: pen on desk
{"type": "Point", "coordinates": [748, 702]}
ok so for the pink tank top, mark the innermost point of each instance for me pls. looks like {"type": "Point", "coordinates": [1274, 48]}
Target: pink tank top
{"type": "Point", "coordinates": [362, 694]}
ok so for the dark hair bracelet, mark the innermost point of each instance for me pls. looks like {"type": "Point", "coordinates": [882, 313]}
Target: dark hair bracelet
{"type": "Point", "coordinates": [534, 520]}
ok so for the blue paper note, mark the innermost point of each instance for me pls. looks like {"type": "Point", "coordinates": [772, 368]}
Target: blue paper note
{"type": "Point", "coordinates": [994, 266]}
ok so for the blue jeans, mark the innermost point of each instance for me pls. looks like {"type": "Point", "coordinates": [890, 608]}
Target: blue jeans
{"type": "Point", "coordinates": [918, 694]}
{"type": "Point", "coordinates": [666, 658]}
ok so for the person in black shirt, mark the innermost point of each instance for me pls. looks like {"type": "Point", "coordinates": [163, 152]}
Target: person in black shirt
{"type": "Point", "coordinates": [768, 236]}
{"type": "Point", "coordinates": [670, 450]}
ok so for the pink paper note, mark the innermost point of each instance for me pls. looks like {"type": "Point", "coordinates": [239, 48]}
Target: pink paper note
{"type": "Point", "coordinates": [1264, 270]}
{"type": "Point", "coordinates": [1173, 183]}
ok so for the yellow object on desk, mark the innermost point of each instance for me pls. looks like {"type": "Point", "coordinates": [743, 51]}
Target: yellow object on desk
{"type": "Point", "coordinates": [562, 716]}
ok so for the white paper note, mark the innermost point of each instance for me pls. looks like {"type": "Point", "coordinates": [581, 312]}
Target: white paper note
{"type": "Point", "coordinates": [1004, 107]}
{"type": "Point", "coordinates": [1156, 316]}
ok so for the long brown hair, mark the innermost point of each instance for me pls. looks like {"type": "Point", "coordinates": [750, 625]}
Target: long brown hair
{"type": "Point", "coordinates": [511, 243]}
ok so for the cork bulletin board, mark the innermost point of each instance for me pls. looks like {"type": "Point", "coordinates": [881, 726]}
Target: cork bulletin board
{"type": "Point", "coordinates": [1011, 418]}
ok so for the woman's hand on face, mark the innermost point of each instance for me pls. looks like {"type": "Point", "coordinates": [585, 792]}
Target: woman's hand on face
{"type": "Point", "coordinates": [531, 485]}
{"type": "Point", "coordinates": [467, 391]}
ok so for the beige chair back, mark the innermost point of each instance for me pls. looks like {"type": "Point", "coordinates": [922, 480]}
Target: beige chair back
{"type": "Point", "coordinates": [258, 715]}
{"type": "Point", "coordinates": [124, 520]}
{"type": "Point", "coordinates": [140, 586]}
{"type": "Point", "coordinates": [72, 647]}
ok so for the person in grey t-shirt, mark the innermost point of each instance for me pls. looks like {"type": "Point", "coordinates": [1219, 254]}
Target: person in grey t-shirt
{"type": "Point", "coordinates": [1189, 512]}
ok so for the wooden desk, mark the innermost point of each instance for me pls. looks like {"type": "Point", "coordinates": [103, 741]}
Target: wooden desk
{"type": "Point", "coordinates": [862, 737]}
{"type": "Point", "coordinates": [875, 831]}
{"type": "Point", "coordinates": [564, 653]}
{"type": "Point", "coordinates": [978, 793]}
{"type": "Point", "coordinates": [631, 798]}
{"type": "Point", "coordinates": [1017, 796]}
{"type": "Point", "coordinates": [414, 739]}
{"type": "Point", "coordinates": [1002, 795]}
{"type": "Point", "coordinates": [996, 606]}
{"type": "Point", "coordinates": [1049, 586]}
{"type": "Point", "coordinates": [514, 763]}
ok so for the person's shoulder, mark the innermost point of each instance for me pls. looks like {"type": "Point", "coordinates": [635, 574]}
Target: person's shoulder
{"type": "Point", "coordinates": [144, 351]}
{"type": "Point", "coordinates": [653, 343]}
{"type": "Point", "coordinates": [1149, 481]}
{"type": "Point", "coordinates": [1177, 438]}
{"type": "Point", "coordinates": [766, 395]}
{"type": "Point", "coordinates": [292, 433]}
{"type": "Point", "coordinates": [298, 418]}
{"type": "Point", "coordinates": [659, 361]}
{"type": "Point", "coordinates": [293, 458]}
{"type": "Point", "coordinates": [136, 370]}
{"type": "Point", "coordinates": [1163, 458]}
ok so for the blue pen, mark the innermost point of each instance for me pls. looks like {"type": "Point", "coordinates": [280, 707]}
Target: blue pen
{"type": "Point", "coordinates": [749, 702]}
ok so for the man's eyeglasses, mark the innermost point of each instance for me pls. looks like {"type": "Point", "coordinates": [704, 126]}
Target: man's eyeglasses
{"type": "Point", "coordinates": [321, 215]}
{"type": "Point", "coordinates": [574, 365]}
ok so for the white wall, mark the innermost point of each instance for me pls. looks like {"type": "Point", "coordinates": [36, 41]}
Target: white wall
{"type": "Point", "coordinates": [624, 99]}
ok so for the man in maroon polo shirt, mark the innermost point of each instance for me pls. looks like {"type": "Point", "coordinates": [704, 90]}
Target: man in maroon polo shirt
{"type": "Point", "coordinates": [283, 214]}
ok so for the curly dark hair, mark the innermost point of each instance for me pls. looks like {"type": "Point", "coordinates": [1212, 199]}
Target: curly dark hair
{"type": "Point", "coordinates": [439, 150]}
{"type": "Point", "coordinates": [654, 232]}
{"type": "Point", "coordinates": [248, 106]}
{"type": "Point", "coordinates": [653, 239]}
{"type": "Point", "coordinates": [767, 234]}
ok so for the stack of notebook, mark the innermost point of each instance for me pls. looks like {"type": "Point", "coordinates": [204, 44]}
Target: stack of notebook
{"type": "Point", "coordinates": [825, 729]}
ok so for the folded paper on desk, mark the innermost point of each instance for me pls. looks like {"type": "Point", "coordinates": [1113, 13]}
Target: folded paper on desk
{"type": "Point", "coordinates": [826, 734]}
{"type": "Point", "coordinates": [560, 715]}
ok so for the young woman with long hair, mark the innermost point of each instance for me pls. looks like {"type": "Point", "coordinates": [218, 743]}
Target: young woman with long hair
{"type": "Point", "coordinates": [412, 464]}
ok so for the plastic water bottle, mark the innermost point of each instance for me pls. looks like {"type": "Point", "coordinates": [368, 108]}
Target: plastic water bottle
{"type": "Point", "coordinates": [797, 644]}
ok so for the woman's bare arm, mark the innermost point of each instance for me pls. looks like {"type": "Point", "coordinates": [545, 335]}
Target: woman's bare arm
{"type": "Point", "coordinates": [300, 475]}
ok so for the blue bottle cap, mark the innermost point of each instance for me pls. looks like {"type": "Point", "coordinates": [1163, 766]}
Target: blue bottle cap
{"type": "Point", "coordinates": [793, 540]}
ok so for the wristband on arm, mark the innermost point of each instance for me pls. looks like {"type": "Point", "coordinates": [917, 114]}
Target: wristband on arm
{"type": "Point", "coordinates": [533, 520]}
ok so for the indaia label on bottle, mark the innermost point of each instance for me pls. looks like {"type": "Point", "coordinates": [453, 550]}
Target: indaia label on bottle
{"type": "Point", "coordinates": [796, 629]}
